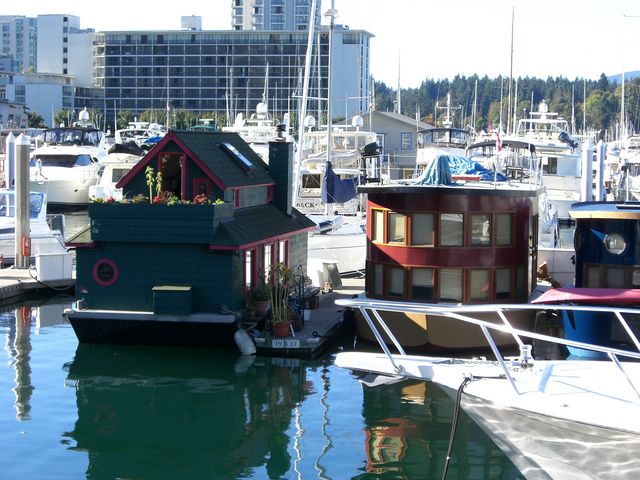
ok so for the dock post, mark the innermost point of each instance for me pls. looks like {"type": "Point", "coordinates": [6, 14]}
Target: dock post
{"type": "Point", "coordinates": [22, 234]}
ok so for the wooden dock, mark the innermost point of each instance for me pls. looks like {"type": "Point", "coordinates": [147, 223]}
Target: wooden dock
{"type": "Point", "coordinates": [319, 331]}
{"type": "Point", "coordinates": [16, 282]}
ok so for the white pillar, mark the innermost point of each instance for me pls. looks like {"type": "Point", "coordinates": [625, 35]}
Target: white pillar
{"type": "Point", "coordinates": [22, 234]}
{"type": "Point", "coordinates": [586, 179]}
{"type": "Point", "coordinates": [601, 151]}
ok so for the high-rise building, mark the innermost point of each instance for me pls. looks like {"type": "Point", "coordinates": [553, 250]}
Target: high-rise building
{"type": "Point", "coordinates": [18, 40]}
{"type": "Point", "coordinates": [227, 71]}
{"type": "Point", "coordinates": [272, 14]}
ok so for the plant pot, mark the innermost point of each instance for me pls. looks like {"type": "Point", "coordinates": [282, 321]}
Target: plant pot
{"type": "Point", "coordinates": [281, 329]}
{"type": "Point", "coordinates": [262, 307]}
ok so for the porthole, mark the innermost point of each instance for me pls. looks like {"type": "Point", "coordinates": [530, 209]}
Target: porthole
{"type": "Point", "coordinates": [105, 272]}
{"type": "Point", "coordinates": [614, 243]}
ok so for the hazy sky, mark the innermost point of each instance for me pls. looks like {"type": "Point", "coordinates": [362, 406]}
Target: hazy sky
{"type": "Point", "coordinates": [418, 39]}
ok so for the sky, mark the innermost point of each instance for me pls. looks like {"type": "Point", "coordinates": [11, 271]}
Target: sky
{"type": "Point", "coordinates": [419, 39]}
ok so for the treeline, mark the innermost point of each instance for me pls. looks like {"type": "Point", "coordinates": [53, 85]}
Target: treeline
{"type": "Point", "coordinates": [588, 105]}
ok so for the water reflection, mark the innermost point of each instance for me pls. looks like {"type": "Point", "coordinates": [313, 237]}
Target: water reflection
{"type": "Point", "coordinates": [180, 413]}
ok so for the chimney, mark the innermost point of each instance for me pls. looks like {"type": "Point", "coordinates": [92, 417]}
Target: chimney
{"type": "Point", "coordinates": [281, 169]}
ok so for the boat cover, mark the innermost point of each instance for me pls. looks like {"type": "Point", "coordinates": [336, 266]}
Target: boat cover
{"type": "Point", "coordinates": [591, 296]}
{"type": "Point", "coordinates": [443, 166]}
{"type": "Point", "coordinates": [335, 189]}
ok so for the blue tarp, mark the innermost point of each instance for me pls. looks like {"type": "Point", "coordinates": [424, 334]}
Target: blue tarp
{"type": "Point", "coordinates": [444, 165]}
{"type": "Point", "coordinates": [335, 189]}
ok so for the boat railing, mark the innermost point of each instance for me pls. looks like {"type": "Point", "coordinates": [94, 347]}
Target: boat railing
{"type": "Point", "coordinates": [468, 313]}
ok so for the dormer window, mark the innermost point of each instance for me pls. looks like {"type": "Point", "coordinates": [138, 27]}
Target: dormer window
{"type": "Point", "coordinates": [243, 161]}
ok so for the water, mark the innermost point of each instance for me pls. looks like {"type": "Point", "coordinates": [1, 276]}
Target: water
{"type": "Point", "coordinates": [105, 412]}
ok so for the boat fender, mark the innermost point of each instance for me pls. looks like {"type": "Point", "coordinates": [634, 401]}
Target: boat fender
{"type": "Point", "coordinates": [244, 342]}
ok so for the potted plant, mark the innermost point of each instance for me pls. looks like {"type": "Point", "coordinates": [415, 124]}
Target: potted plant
{"type": "Point", "coordinates": [260, 298]}
{"type": "Point", "coordinates": [281, 278]}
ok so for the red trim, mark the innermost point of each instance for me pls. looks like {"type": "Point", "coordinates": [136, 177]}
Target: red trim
{"type": "Point", "coordinates": [236, 198]}
{"type": "Point", "coordinates": [114, 267]}
{"type": "Point", "coordinates": [259, 242]}
{"type": "Point", "coordinates": [200, 180]}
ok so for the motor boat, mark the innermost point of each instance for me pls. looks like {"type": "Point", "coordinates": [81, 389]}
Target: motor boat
{"type": "Point", "coordinates": [553, 416]}
{"type": "Point", "coordinates": [44, 239]}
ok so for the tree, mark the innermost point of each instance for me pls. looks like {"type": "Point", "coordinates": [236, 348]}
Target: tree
{"type": "Point", "coordinates": [35, 121]}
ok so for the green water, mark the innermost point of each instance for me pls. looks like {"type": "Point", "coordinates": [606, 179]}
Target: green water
{"type": "Point", "coordinates": [72, 411]}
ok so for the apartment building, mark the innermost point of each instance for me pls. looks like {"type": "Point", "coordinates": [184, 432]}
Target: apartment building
{"type": "Point", "coordinates": [273, 14]}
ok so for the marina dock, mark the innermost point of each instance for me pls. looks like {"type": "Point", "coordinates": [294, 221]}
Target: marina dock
{"type": "Point", "coordinates": [15, 282]}
{"type": "Point", "coordinates": [322, 328]}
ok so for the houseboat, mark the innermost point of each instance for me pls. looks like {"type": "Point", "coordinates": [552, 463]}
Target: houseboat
{"type": "Point", "coordinates": [453, 239]}
{"type": "Point", "coordinates": [204, 221]}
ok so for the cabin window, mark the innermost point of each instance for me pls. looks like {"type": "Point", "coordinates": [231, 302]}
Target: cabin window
{"type": "Point", "coordinates": [550, 165]}
{"type": "Point", "coordinates": [480, 229]}
{"type": "Point", "coordinates": [422, 229]}
{"type": "Point", "coordinates": [377, 226]}
{"type": "Point", "coordinates": [105, 272]}
{"type": "Point", "coordinates": [249, 265]}
{"type": "Point", "coordinates": [503, 283]}
{"type": "Point", "coordinates": [521, 281]}
{"type": "Point", "coordinates": [396, 227]}
{"type": "Point", "coordinates": [378, 279]}
{"type": "Point", "coordinates": [201, 186]}
{"type": "Point", "coordinates": [480, 284]}
{"type": "Point", "coordinates": [614, 277]}
{"type": "Point", "coordinates": [451, 229]}
{"type": "Point", "coordinates": [451, 285]}
{"type": "Point", "coordinates": [396, 281]}
{"type": "Point", "coordinates": [282, 252]}
{"type": "Point", "coordinates": [268, 261]}
{"type": "Point", "coordinates": [422, 284]}
{"type": "Point", "coordinates": [171, 168]}
{"type": "Point", "coordinates": [635, 279]}
{"type": "Point", "coordinates": [504, 231]}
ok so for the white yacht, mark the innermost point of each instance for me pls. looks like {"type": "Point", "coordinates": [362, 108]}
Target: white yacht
{"type": "Point", "coordinates": [144, 134]}
{"type": "Point", "coordinates": [68, 163]}
{"type": "Point", "coordinates": [559, 154]}
{"type": "Point", "coordinates": [121, 159]}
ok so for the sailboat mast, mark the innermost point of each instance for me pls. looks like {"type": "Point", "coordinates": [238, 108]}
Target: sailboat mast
{"type": "Point", "coordinates": [510, 73]}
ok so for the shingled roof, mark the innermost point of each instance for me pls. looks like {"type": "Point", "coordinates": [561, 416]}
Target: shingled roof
{"type": "Point", "coordinates": [206, 149]}
{"type": "Point", "coordinates": [253, 225]}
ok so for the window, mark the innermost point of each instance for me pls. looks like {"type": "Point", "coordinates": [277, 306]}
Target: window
{"type": "Point", "coordinates": [105, 272]}
{"type": "Point", "coordinates": [422, 284]}
{"type": "Point", "coordinates": [593, 277]}
{"type": "Point", "coordinates": [503, 283]}
{"type": "Point", "coordinates": [396, 227]}
{"type": "Point", "coordinates": [503, 229]}
{"type": "Point", "coordinates": [396, 281]}
{"type": "Point", "coordinates": [480, 284]}
{"type": "Point", "coordinates": [451, 229]}
{"type": "Point", "coordinates": [422, 229]}
{"type": "Point", "coordinates": [480, 229]}
{"type": "Point", "coordinates": [550, 165]}
{"type": "Point", "coordinates": [614, 277]}
{"type": "Point", "coordinates": [267, 259]}
{"type": "Point", "coordinates": [377, 226]}
{"type": "Point", "coordinates": [248, 268]}
{"type": "Point", "coordinates": [406, 141]}
{"type": "Point", "coordinates": [451, 285]}
{"type": "Point", "coordinates": [378, 279]}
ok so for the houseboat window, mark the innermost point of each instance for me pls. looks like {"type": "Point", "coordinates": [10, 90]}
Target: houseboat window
{"type": "Point", "coordinates": [282, 252]}
{"type": "Point", "coordinates": [504, 233]}
{"type": "Point", "coordinates": [521, 281]}
{"type": "Point", "coordinates": [451, 285]}
{"type": "Point", "coordinates": [550, 165]}
{"type": "Point", "coordinates": [615, 277]}
{"type": "Point", "coordinates": [480, 229]}
{"type": "Point", "coordinates": [479, 284]}
{"type": "Point", "coordinates": [171, 169]}
{"type": "Point", "coordinates": [396, 281]}
{"type": "Point", "coordinates": [614, 243]}
{"type": "Point", "coordinates": [635, 279]}
{"type": "Point", "coordinates": [503, 283]}
{"type": "Point", "coordinates": [593, 276]}
{"type": "Point", "coordinates": [240, 158]}
{"type": "Point", "coordinates": [377, 226]}
{"type": "Point", "coordinates": [422, 284]}
{"type": "Point", "coordinates": [396, 227]}
{"type": "Point", "coordinates": [248, 268]}
{"type": "Point", "coordinates": [422, 229]}
{"type": "Point", "coordinates": [378, 281]}
{"type": "Point", "coordinates": [451, 229]}
{"type": "Point", "coordinates": [267, 262]}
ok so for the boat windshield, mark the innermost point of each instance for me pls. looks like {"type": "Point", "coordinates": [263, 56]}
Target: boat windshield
{"type": "Point", "coordinates": [8, 204]}
{"type": "Point", "coordinates": [73, 136]}
{"type": "Point", "coordinates": [444, 137]}
{"type": "Point", "coordinates": [66, 161]}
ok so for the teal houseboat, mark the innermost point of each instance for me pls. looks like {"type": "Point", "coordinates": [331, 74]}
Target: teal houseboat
{"type": "Point", "coordinates": [203, 218]}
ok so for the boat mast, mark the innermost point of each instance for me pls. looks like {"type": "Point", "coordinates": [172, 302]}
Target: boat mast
{"type": "Point", "coordinates": [513, 8]}
{"type": "Point", "coordinates": [331, 14]}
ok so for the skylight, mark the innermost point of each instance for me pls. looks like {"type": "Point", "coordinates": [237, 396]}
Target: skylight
{"type": "Point", "coordinates": [239, 157]}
